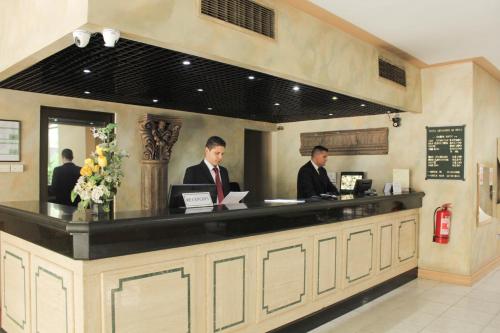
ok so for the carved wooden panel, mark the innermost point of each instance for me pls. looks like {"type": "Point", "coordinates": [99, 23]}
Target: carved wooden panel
{"type": "Point", "coordinates": [371, 141]}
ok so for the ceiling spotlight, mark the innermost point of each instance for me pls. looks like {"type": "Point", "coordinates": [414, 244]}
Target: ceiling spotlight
{"type": "Point", "coordinates": [209, 109]}
{"type": "Point", "coordinates": [276, 104]}
{"type": "Point", "coordinates": [87, 71]}
{"type": "Point", "coordinates": [186, 62]}
{"type": "Point", "coordinates": [363, 105]}
{"type": "Point", "coordinates": [335, 98]}
{"type": "Point", "coordinates": [155, 100]}
{"type": "Point", "coordinates": [111, 37]}
{"type": "Point", "coordinates": [199, 90]}
{"type": "Point", "coordinates": [251, 77]}
{"type": "Point", "coordinates": [330, 114]}
{"type": "Point", "coordinates": [86, 92]}
{"type": "Point", "coordinates": [296, 88]}
{"type": "Point", "coordinates": [81, 37]}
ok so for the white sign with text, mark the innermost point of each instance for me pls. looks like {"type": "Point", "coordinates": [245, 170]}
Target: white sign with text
{"type": "Point", "coordinates": [198, 199]}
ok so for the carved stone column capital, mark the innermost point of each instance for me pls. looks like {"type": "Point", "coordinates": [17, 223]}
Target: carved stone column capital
{"type": "Point", "coordinates": [159, 134]}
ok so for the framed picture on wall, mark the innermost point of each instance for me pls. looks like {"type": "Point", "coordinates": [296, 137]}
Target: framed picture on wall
{"type": "Point", "coordinates": [10, 141]}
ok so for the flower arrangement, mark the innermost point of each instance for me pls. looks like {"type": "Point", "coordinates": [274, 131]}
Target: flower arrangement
{"type": "Point", "coordinates": [101, 174]}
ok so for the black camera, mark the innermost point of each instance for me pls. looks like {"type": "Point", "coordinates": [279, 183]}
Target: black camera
{"type": "Point", "coordinates": [396, 121]}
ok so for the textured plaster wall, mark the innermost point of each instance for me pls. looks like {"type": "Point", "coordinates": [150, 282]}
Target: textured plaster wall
{"type": "Point", "coordinates": [187, 151]}
{"type": "Point", "coordinates": [486, 125]}
{"type": "Point", "coordinates": [305, 48]}
{"type": "Point", "coordinates": [28, 27]}
{"type": "Point", "coordinates": [447, 100]}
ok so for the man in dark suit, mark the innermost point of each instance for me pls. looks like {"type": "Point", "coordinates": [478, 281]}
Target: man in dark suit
{"type": "Point", "coordinates": [312, 180]}
{"type": "Point", "coordinates": [64, 178]}
{"type": "Point", "coordinates": [209, 171]}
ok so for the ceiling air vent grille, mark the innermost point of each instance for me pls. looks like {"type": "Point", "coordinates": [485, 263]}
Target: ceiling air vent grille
{"type": "Point", "coordinates": [243, 13]}
{"type": "Point", "coordinates": [391, 72]}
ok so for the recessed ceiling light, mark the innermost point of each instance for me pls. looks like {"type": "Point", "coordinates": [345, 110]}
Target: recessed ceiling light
{"type": "Point", "coordinates": [330, 114]}
{"type": "Point", "coordinates": [86, 92]}
{"type": "Point", "coordinates": [209, 109]}
{"type": "Point", "coordinates": [296, 88]}
{"type": "Point", "coordinates": [186, 62]}
{"type": "Point", "coordinates": [86, 71]}
{"type": "Point", "coordinates": [199, 90]}
{"type": "Point", "coordinates": [155, 100]}
{"type": "Point", "coordinates": [363, 105]}
{"type": "Point", "coordinates": [335, 98]}
{"type": "Point", "coordinates": [251, 77]}
{"type": "Point", "coordinates": [276, 104]}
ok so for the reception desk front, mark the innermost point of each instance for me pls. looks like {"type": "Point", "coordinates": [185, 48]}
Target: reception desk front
{"type": "Point", "coordinates": [246, 268]}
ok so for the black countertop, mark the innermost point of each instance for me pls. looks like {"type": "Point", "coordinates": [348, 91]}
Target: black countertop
{"type": "Point", "coordinates": [82, 235]}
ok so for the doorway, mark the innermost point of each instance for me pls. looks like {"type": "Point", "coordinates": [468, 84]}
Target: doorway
{"type": "Point", "coordinates": [257, 165]}
{"type": "Point", "coordinates": [66, 129]}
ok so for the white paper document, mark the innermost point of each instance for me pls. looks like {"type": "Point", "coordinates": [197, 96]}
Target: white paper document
{"type": "Point", "coordinates": [234, 197]}
{"type": "Point", "coordinates": [284, 201]}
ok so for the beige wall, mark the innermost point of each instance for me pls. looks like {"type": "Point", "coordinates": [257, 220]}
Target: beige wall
{"type": "Point", "coordinates": [188, 150]}
{"type": "Point", "coordinates": [447, 100]}
{"type": "Point", "coordinates": [306, 49]}
{"type": "Point", "coordinates": [27, 27]}
{"type": "Point", "coordinates": [73, 137]}
{"type": "Point", "coordinates": [486, 133]}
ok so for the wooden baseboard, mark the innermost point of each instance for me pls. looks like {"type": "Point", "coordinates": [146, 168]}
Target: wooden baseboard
{"type": "Point", "coordinates": [466, 280]}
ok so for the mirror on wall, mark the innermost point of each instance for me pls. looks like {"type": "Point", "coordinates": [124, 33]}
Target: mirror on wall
{"type": "Point", "coordinates": [63, 129]}
{"type": "Point", "coordinates": [485, 193]}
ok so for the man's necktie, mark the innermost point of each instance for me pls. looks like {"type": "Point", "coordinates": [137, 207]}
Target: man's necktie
{"type": "Point", "coordinates": [218, 185]}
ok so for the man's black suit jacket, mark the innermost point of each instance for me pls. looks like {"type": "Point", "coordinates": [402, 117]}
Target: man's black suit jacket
{"type": "Point", "coordinates": [64, 178]}
{"type": "Point", "coordinates": [200, 174]}
{"type": "Point", "coordinates": [311, 183]}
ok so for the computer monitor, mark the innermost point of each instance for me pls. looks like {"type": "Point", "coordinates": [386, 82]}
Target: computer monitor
{"type": "Point", "coordinates": [361, 186]}
{"type": "Point", "coordinates": [348, 180]}
{"type": "Point", "coordinates": [176, 200]}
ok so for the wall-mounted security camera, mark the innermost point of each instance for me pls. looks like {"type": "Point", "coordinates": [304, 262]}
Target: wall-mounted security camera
{"type": "Point", "coordinates": [81, 37]}
{"type": "Point", "coordinates": [111, 37]}
{"type": "Point", "coordinates": [396, 120]}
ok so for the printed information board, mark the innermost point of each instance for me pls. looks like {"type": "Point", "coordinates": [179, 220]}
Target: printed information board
{"type": "Point", "coordinates": [445, 152]}
{"type": "Point", "coordinates": [10, 134]}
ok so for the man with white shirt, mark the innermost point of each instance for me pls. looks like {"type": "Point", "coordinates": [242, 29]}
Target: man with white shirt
{"type": "Point", "coordinates": [209, 171]}
{"type": "Point", "coordinates": [312, 180]}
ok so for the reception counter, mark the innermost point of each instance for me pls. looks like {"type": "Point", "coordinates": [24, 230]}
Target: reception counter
{"type": "Point", "coordinates": [243, 268]}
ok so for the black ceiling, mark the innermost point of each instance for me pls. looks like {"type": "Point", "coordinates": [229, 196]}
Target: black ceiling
{"type": "Point", "coordinates": [137, 73]}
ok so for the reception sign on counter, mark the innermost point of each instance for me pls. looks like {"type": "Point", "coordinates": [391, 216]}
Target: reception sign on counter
{"type": "Point", "coordinates": [445, 152]}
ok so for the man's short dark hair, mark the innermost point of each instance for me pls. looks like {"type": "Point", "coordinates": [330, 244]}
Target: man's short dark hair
{"type": "Point", "coordinates": [318, 149]}
{"type": "Point", "coordinates": [67, 154]}
{"type": "Point", "coordinates": [215, 141]}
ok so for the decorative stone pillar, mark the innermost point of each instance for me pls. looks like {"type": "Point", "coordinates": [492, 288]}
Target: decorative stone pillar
{"type": "Point", "coordinates": [159, 134]}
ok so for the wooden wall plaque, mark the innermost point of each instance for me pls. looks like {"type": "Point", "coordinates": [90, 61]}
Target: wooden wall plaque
{"type": "Point", "coordinates": [370, 141]}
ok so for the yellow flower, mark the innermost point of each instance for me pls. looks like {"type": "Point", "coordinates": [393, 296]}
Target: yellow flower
{"type": "Point", "coordinates": [102, 161]}
{"type": "Point", "coordinates": [89, 162]}
{"type": "Point", "coordinates": [99, 151]}
{"type": "Point", "coordinates": [96, 168]}
{"type": "Point", "coordinates": [86, 171]}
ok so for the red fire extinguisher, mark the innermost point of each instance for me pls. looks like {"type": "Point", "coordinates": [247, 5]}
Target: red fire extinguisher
{"type": "Point", "coordinates": [442, 224]}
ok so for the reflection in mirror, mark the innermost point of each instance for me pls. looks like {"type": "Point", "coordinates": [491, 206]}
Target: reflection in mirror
{"type": "Point", "coordinates": [77, 137]}
{"type": "Point", "coordinates": [485, 176]}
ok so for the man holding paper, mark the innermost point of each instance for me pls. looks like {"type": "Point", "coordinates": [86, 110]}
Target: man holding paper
{"type": "Point", "coordinates": [209, 171]}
